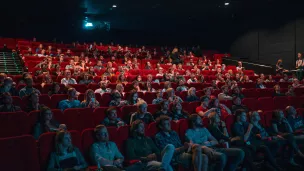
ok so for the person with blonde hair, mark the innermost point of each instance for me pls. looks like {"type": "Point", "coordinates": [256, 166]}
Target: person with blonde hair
{"type": "Point", "coordinates": [192, 95]}
{"type": "Point", "coordinates": [90, 100]}
{"type": "Point", "coordinates": [66, 155]}
{"type": "Point", "coordinates": [142, 113]}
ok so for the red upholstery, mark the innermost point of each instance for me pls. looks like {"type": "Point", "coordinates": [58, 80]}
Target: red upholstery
{"type": "Point", "coordinates": [149, 97]}
{"type": "Point", "coordinates": [266, 104]}
{"type": "Point", "coordinates": [250, 93]}
{"type": "Point", "coordinates": [78, 118]}
{"type": "Point", "coordinates": [56, 98]}
{"type": "Point", "coordinates": [183, 126]}
{"type": "Point", "coordinates": [268, 117]}
{"type": "Point", "coordinates": [105, 100]}
{"type": "Point", "coordinates": [13, 124]}
{"type": "Point", "coordinates": [229, 121]}
{"type": "Point", "coordinates": [18, 102]}
{"type": "Point", "coordinates": [183, 95]}
{"type": "Point", "coordinates": [122, 136]}
{"type": "Point", "coordinates": [99, 114]}
{"type": "Point", "coordinates": [80, 87]}
{"type": "Point", "coordinates": [152, 108]}
{"type": "Point", "coordinates": [19, 153]}
{"type": "Point", "coordinates": [87, 139]}
{"type": "Point", "coordinates": [126, 112]}
{"type": "Point", "coordinates": [251, 103]}
{"type": "Point", "coordinates": [58, 115]}
{"type": "Point", "coordinates": [32, 118]}
{"type": "Point", "coordinates": [281, 102]}
{"type": "Point", "coordinates": [297, 102]}
{"type": "Point", "coordinates": [300, 112]}
{"type": "Point", "coordinates": [299, 91]}
{"type": "Point", "coordinates": [267, 92]}
{"type": "Point", "coordinates": [192, 106]}
{"type": "Point", "coordinates": [45, 100]}
{"type": "Point", "coordinates": [151, 130]}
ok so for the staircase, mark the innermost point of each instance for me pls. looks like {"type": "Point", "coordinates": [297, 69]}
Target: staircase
{"type": "Point", "coordinates": [10, 63]}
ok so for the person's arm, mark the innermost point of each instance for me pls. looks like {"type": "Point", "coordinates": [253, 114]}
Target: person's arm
{"type": "Point", "coordinates": [289, 129]}
{"type": "Point", "coordinates": [226, 108]}
{"type": "Point", "coordinates": [248, 132]}
{"type": "Point", "coordinates": [52, 163]}
{"type": "Point", "coordinates": [211, 140]}
{"type": "Point", "coordinates": [96, 158]}
{"type": "Point", "coordinates": [82, 163]}
{"type": "Point", "coordinates": [119, 158]}
{"type": "Point", "coordinates": [155, 150]}
{"type": "Point", "coordinates": [130, 150]}
{"type": "Point", "coordinates": [202, 114]}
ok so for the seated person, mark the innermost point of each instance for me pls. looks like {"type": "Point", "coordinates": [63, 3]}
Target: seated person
{"type": "Point", "coordinates": [260, 84]}
{"type": "Point", "coordinates": [181, 86]}
{"type": "Point", "coordinates": [28, 89]}
{"type": "Point", "coordinates": [178, 112]}
{"type": "Point", "coordinates": [187, 154]}
{"type": "Point", "coordinates": [89, 100]}
{"type": "Point", "coordinates": [203, 109]}
{"type": "Point", "coordinates": [221, 108]}
{"type": "Point", "coordinates": [142, 113]}
{"type": "Point", "coordinates": [55, 89]}
{"type": "Point", "coordinates": [71, 65]}
{"type": "Point", "coordinates": [77, 71]}
{"type": "Point", "coordinates": [33, 102]}
{"type": "Point", "coordinates": [242, 134]}
{"type": "Point", "coordinates": [7, 87]}
{"type": "Point", "coordinates": [121, 79]}
{"type": "Point", "coordinates": [71, 102]}
{"type": "Point", "coordinates": [290, 91]}
{"type": "Point", "coordinates": [192, 78]}
{"type": "Point", "coordinates": [133, 98]}
{"type": "Point", "coordinates": [192, 95]}
{"type": "Point", "coordinates": [98, 65]}
{"type": "Point", "coordinates": [116, 100]}
{"type": "Point", "coordinates": [237, 92]}
{"type": "Point", "coordinates": [224, 95]}
{"type": "Point", "coordinates": [7, 103]}
{"type": "Point", "coordinates": [66, 155]}
{"type": "Point", "coordinates": [46, 123]}
{"type": "Point", "coordinates": [68, 79]}
{"type": "Point", "coordinates": [172, 97]}
{"type": "Point", "coordinates": [85, 80]}
{"type": "Point", "coordinates": [167, 85]}
{"type": "Point", "coordinates": [120, 89]}
{"type": "Point", "coordinates": [159, 97]}
{"type": "Point", "coordinates": [103, 88]}
{"type": "Point", "coordinates": [237, 104]}
{"type": "Point", "coordinates": [277, 91]}
{"type": "Point", "coordinates": [111, 119]}
{"type": "Point", "coordinates": [295, 121]}
{"type": "Point", "coordinates": [164, 109]}
{"type": "Point", "coordinates": [197, 134]}
{"type": "Point", "coordinates": [141, 147]}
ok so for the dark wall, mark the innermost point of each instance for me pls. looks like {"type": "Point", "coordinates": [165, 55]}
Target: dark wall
{"type": "Point", "coordinates": [268, 44]}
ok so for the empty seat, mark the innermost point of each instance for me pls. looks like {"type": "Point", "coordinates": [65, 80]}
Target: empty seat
{"type": "Point", "coordinates": [78, 119]}
{"type": "Point", "coordinates": [13, 124]}
{"type": "Point", "coordinates": [266, 104]}
{"type": "Point", "coordinates": [250, 93]}
{"type": "Point", "coordinates": [251, 103]}
{"type": "Point", "coordinates": [45, 100]}
{"type": "Point", "coordinates": [19, 153]}
{"type": "Point", "coordinates": [192, 106]}
{"type": "Point", "coordinates": [80, 87]}
{"type": "Point", "coordinates": [229, 120]}
{"type": "Point", "coordinates": [297, 102]}
{"type": "Point", "coordinates": [267, 92]}
{"type": "Point", "coordinates": [153, 108]}
{"type": "Point", "coordinates": [281, 102]}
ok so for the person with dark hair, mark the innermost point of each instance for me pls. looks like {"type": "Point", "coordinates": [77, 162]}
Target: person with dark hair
{"type": "Point", "coordinates": [203, 109]}
{"type": "Point", "coordinates": [68, 78]}
{"type": "Point", "coordinates": [224, 94]}
{"type": "Point", "coordinates": [172, 97]}
{"type": "Point", "coordinates": [55, 89]}
{"type": "Point", "coordinates": [116, 100]}
{"type": "Point", "coordinates": [89, 100]}
{"type": "Point", "coordinates": [46, 123]}
{"type": "Point", "coordinates": [191, 97]}
{"type": "Point", "coordinates": [178, 112]}
{"type": "Point", "coordinates": [277, 91]}
{"type": "Point", "coordinates": [33, 102]}
{"type": "Point", "coordinates": [141, 147]}
{"type": "Point", "coordinates": [133, 97]}
{"type": "Point", "coordinates": [86, 79]}
{"type": "Point", "coordinates": [112, 119]}
{"type": "Point", "coordinates": [164, 109]}
{"type": "Point", "coordinates": [186, 154]}
{"type": "Point", "coordinates": [236, 92]}
{"type": "Point", "coordinates": [290, 91]}
{"type": "Point", "coordinates": [197, 134]}
{"type": "Point", "coordinates": [159, 97]}
{"type": "Point", "coordinates": [8, 87]}
{"type": "Point", "coordinates": [181, 86]}
{"type": "Point", "coordinates": [142, 113]}
{"type": "Point", "coordinates": [28, 89]}
{"type": "Point", "coordinates": [243, 134]}
{"type": "Point", "coordinates": [66, 155]}
{"type": "Point", "coordinates": [103, 88]}
{"type": "Point", "coordinates": [295, 121]}
{"type": "Point", "coordinates": [259, 83]}
{"type": "Point", "coordinates": [7, 103]}
{"type": "Point", "coordinates": [237, 104]}
{"type": "Point", "coordinates": [71, 102]}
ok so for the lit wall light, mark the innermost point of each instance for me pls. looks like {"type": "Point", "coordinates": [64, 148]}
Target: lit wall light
{"type": "Point", "coordinates": [89, 24]}
{"type": "Point", "coordinates": [226, 3]}
{"type": "Point", "coordinates": [114, 6]}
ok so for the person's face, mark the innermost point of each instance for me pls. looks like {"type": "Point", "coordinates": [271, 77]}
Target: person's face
{"type": "Point", "coordinates": [99, 63]}
{"type": "Point", "coordinates": [110, 64]}
{"type": "Point", "coordinates": [193, 91]}
{"type": "Point", "coordinates": [141, 129]}
{"type": "Point", "coordinates": [237, 76]}
{"type": "Point", "coordinates": [71, 62]}
{"type": "Point", "coordinates": [112, 115]}
{"type": "Point", "coordinates": [206, 102]}
{"type": "Point", "coordinates": [262, 76]}
{"type": "Point", "coordinates": [103, 135]}
{"type": "Point", "coordinates": [165, 106]}
{"type": "Point", "coordinates": [67, 140]}
{"type": "Point", "coordinates": [143, 108]}
{"type": "Point", "coordinates": [237, 101]}
{"type": "Point", "coordinates": [92, 69]}
{"type": "Point", "coordinates": [166, 126]}
{"type": "Point", "coordinates": [179, 106]}
{"type": "Point", "coordinates": [149, 77]}
{"type": "Point", "coordinates": [73, 94]}
{"type": "Point", "coordinates": [256, 117]}
{"type": "Point", "coordinates": [57, 88]}
{"type": "Point", "coordinates": [48, 115]}
{"type": "Point", "coordinates": [139, 78]}
{"type": "Point", "coordinates": [7, 100]}
{"type": "Point", "coordinates": [86, 77]}
{"type": "Point", "coordinates": [135, 97]}
{"type": "Point", "coordinates": [159, 94]}
{"type": "Point", "coordinates": [68, 74]}
{"type": "Point", "coordinates": [236, 90]}
{"type": "Point", "coordinates": [226, 90]}
{"type": "Point", "coordinates": [181, 82]}
{"type": "Point", "coordinates": [299, 55]}
{"type": "Point", "coordinates": [243, 117]}
{"type": "Point", "coordinates": [277, 88]}
{"type": "Point", "coordinates": [90, 94]}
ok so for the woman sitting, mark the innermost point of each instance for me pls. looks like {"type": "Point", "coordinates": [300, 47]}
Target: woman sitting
{"type": "Point", "coordinates": [33, 102]}
{"type": "Point", "coordinates": [142, 113]}
{"type": "Point", "coordinates": [178, 112]}
{"type": "Point", "coordinates": [192, 95]}
{"type": "Point", "coordinates": [122, 79]}
{"type": "Point", "coordinates": [46, 123]}
{"type": "Point", "coordinates": [55, 89]}
{"type": "Point", "coordinates": [164, 110]}
{"type": "Point", "coordinates": [181, 86]}
{"type": "Point", "coordinates": [112, 119]}
{"type": "Point", "coordinates": [90, 100]}
{"type": "Point", "coordinates": [66, 156]}
{"type": "Point", "coordinates": [222, 109]}
{"type": "Point", "coordinates": [116, 100]}
{"type": "Point", "coordinates": [7, 103]}
{"type": "Point", "coordinates": [86, 79]}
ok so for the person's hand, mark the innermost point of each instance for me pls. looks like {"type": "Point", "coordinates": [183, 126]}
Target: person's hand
{"type": "Point", "coordinates": [76, 168]}
{"type": "Point", "coordinates": [250, 126]}
{"type": "Point", "coordinates": [152, 157]}
{"type": "Point", "coordinates": [187, 145]}
{"type": "Point", "coordinates": [280, 137]}
{"type": "Point", "coordinates": [221, 141]}
{"type": "Point", "coordinates": [223, 124]}
{"type": "Point", "coordinates": [117, 162]}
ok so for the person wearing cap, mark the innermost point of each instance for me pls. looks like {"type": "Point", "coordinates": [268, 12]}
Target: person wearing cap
{"type": "Point", "coordinates": [71, 102]}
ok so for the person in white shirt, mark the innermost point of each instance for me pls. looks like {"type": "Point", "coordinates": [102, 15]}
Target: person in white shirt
{"type": "Point", "coordinates": [103, 88]}
{"type": "Point", "coordinates": [240, 66]}
{"type": "Point", "coordinates": [224, 95]}
{"type": "Point", "coordinates": [68, 80]}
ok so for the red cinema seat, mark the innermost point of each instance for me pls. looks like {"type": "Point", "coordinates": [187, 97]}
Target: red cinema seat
{"type": "Point", "coordinates": [87, 139]}
{"type": "Point", "coordinates": [93, 86]}
{"type": "Point", "coordinates": [186, 107]}
{"type": "Point", "coordinates": [297, 102]}
{"type": "Point", "coordinates": [206, 121]}
{"type": "Point", "coordinates": [251, 103]}
{"type": "Point", "coordinates": [267, 92]}
{"type": "Point", "coordinates": [32, 119]}
{"type": "Point", "coordinates": [45, 100]}
{"type": "Point", "coordinates": [153, 108]}
{"type": "Point", "coordinates": [250, 93]}
{"type": "Point", "coordinates": [284, 84]}
{"type": "Point", "coordinates": [19, 153]}
{"type": "Point", "coordinates": [183, 126]}
{"type": "Point", "coordinates": [281, 102]}
{"type": "Point", "coordinates": [183, 95]}
{"type": "Point", "coordinates": [248, 85]}
{"type": "Point", "coordinates": [17, 101]}
{"type": "Point", "coordinates": [299, 91]}
{"type": "Point", "coordinates": [80, 87]}
{"type": "Point", "coordinates": [56, 98]}
{"type": "Point", "coordinates": [156, 86]}
{"type": "Point", "coordinates": [300, 112]}
{"type": "Point", "coordinates": [78, 118]}
{"type": "Point", "coordinates": [47, 87]}
{"type": "Point", "coordinates": [266, 104]}
{"type": "Point", "coordinates": [81, 97]}
{"type": "Point", "coordinates": [268, 118]}
{"type": "Point", "coordinates": [46, 144]}
{"type": "Point", "coordinates": [228, 103]}
{"type": "Point", "coordinates": [105, 99]}
{"type": "Point", "coordinates": [99, 114]}
{"type": "Point", "coordinates": [127, 111]}
{"type": "Point", "coordinates": [13, 124]}
{"type": "Point", "coordinates": [192, 106]}
{"type": "Point", "coordinates": [229, 120]}
{"type": "Point", "coordinates": [58, 115]}
{"type": "Point", "coordinates": [197, 86]}
{"type": "Point", "coordinates": [149, 97]}
{"type": "Point", "coordinates": [151, 130]}
{"type": "Point", "coordinates": [122, 136]}
{"type": "Point", "coordinates": [270, 84]}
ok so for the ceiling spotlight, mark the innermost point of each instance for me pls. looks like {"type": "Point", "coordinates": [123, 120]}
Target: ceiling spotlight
{"type": "Point", "coordinates": [114, 6]}
{"type": "Point", "coordinates": [226, 3]}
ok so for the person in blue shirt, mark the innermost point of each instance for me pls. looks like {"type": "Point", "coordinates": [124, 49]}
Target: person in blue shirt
{"type": "Point", "coordinates": [71, 102]}
{"type": "Point", "coordinates": [295, 121]}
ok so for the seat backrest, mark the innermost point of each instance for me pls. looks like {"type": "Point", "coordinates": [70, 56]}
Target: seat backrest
{"type": "Point", "coordinates": [183, 126]}
{"type": "Point", "coordinates": [266, 92]}
{"type": "Point", "coordinates": [268, 118]}
{"type": "Point", "coordinates": [78, 118]}
{"type": "Point", "coordinates": [99, 114]}
{"type": "Point", "coordinates": [250, 93]}
{"type": "Point", "coordinates": [153, 108]}
{"type": "Point", "coordinates": [56, 98]}
{"type": "Point", "coordinates": [17, 101]}
{"type": "Point", "coordinates": [151, 130]}
{"type": "Point", "coordinates": [32, 119]}
{"type": "Point", "coordinates": [297, 102]}
{"type": "Point", "coordinates": [87, 139]}
{"type": "Point", "coordinates": [105, 99]}
{"type": "Point", "coordinates": [149, 97]}
{"type": "Point", "coordinates": [13, 124]}
{"type": "Point", "coordinates": [266, 104]}
{"type": "Point", "coordinates": [45, 100]}
{"type": "Point", "coordinates": [299, 91]}
{"type": "Point", "coordinates": [123, 134]}
{"type": "Point", "coordinates": [229, 120]}
{"type": "Point", "coordinates": [126, 112]}
{"type": "Point", "coordinates": [19, 153]}
{"type": "Point", "coordinates": [281, 102]}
